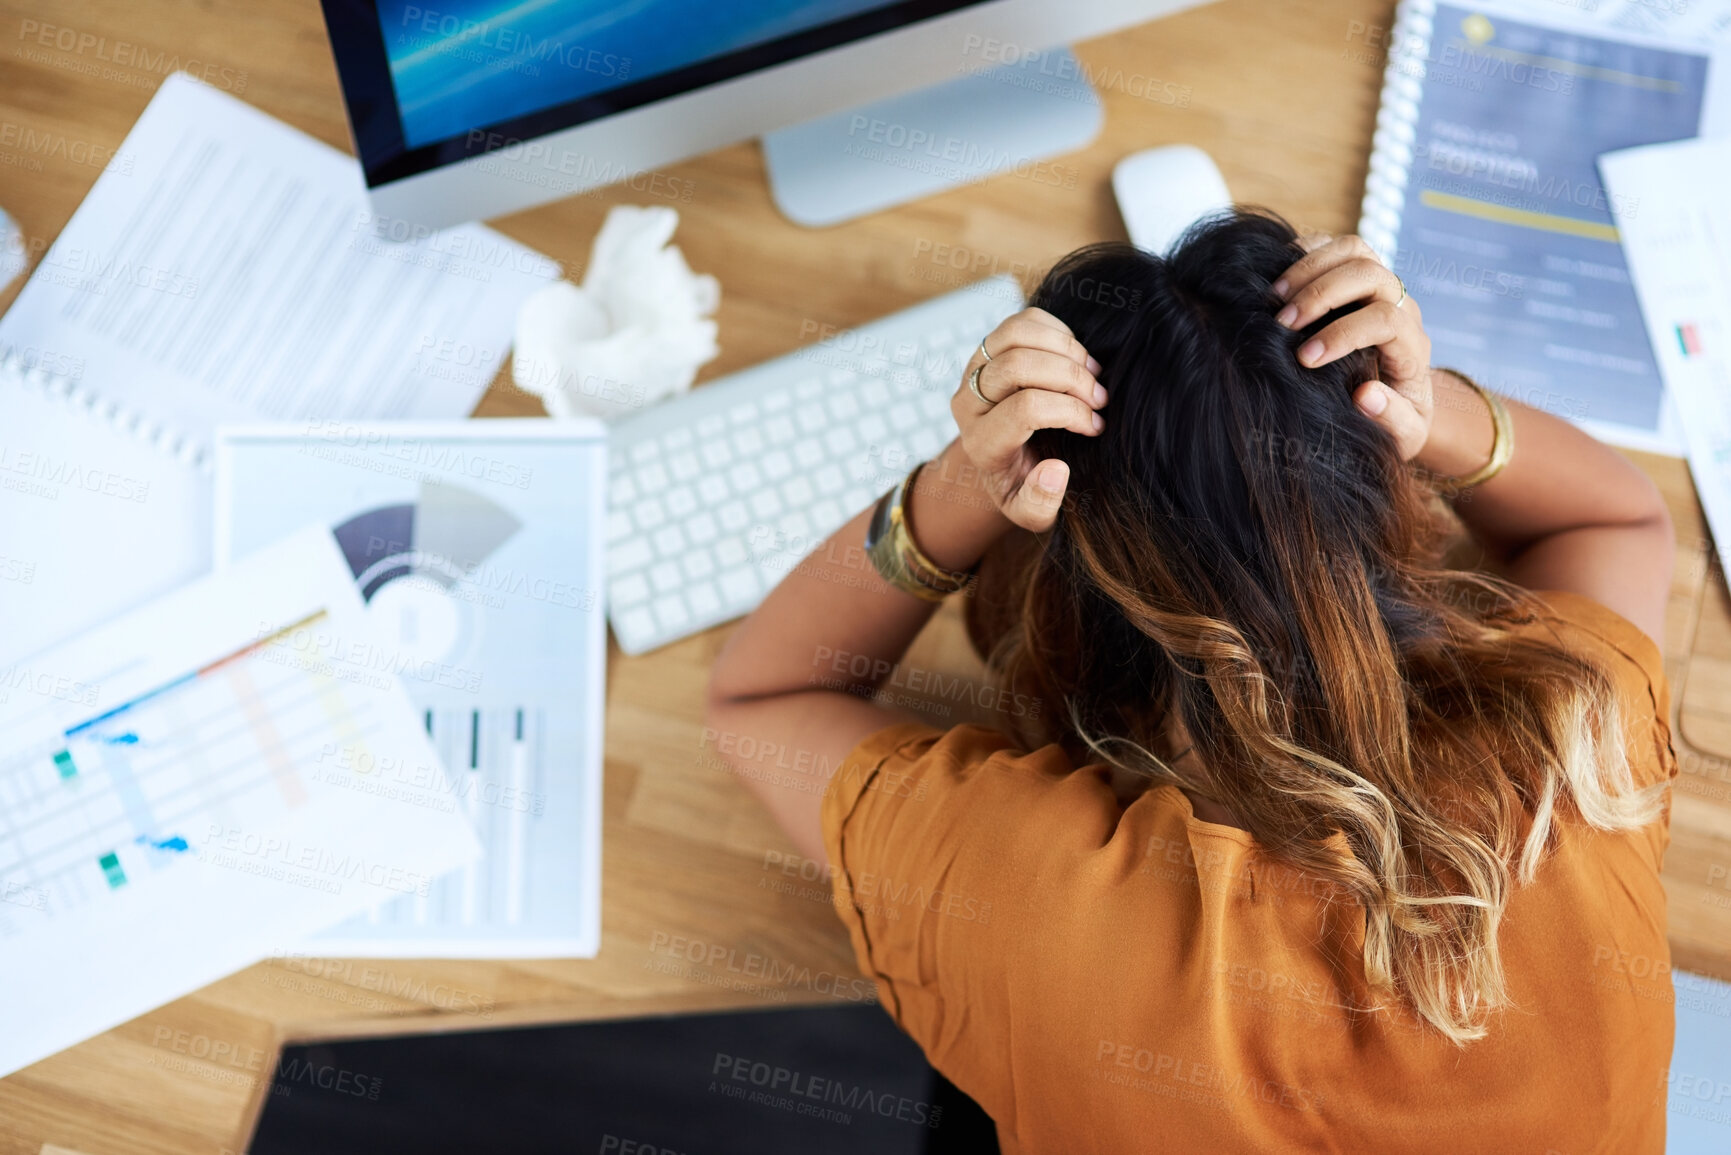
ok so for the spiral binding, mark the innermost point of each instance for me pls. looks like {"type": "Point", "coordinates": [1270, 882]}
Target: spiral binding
{"type": "Point", "coordinates": [15, 368]}
{"type": "Point", "coordinates": [1391, 156]}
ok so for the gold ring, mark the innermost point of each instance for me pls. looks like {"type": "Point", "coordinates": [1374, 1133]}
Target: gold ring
{"type": "Point", "coordinates": [974, 385]}
{"type": "Point", "coordinates": [1402, 285]}
{"type": "Point", "coordinates": [983, 352]}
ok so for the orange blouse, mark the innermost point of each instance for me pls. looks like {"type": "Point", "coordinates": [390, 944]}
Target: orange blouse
{"type": "Point", "coordinates": [1106, 978]}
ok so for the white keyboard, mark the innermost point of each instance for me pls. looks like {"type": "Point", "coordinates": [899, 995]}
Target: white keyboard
{"type": "Point", "coordinates": [714, 496]}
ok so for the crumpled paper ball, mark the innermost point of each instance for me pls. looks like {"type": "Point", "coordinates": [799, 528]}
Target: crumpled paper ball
{"type": "Point", "coordinates": [634, 332]}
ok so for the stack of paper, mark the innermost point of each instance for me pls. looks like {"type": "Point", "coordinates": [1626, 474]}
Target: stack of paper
{"type": "Point", "coordinates": [232, 272]}
{"type": "Point", "coordinates": [192, 782]}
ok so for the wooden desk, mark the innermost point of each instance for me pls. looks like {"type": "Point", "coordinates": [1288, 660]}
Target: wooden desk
{"type": "Point", "coordinates": [1283, 95]}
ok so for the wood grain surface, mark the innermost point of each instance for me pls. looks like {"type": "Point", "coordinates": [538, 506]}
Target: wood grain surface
{"type": "Point", "coordinates": [1282, 94]}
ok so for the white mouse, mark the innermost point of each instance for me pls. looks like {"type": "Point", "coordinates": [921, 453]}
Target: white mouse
{"type": "Point", "coordinates": [1163, 191]}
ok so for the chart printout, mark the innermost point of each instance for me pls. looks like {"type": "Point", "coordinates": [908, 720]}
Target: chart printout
{"type": "Point", "coordinates": [191, 786]}
{"type": "Point", "coordinates": [478, 548]}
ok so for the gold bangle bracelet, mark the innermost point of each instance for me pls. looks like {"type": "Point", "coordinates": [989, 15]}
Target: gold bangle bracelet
{"type": "Point", "coordinates": [898, 558]}
{"type": "Point", "coordinates": [1502, 439]}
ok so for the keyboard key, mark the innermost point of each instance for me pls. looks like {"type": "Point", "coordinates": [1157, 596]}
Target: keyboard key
{"type": "Point", "coordinates": [796, 529]}
{"type": "Point", "coordinates": [734, 516]}
{"type": "Point", "coordinates": [652, 478]}
{"type": "Point", "coordinates": [777, 464]}
{"type": "Point", "coordinates": [872, 429]}
{"type": "Point", "coordinates": [857, 497]}
{"type": "Point", "coordinates": [811, 419]}
{"type": "Point", "coordinates": [713, 489]}
{"type": "Point", "coordinates": [670, 612]}
{"type": "Point", "coordinates": [621, 491]}
{"type": "Point", "coordinates": [925, 444]}
{"type": "Point", "coordinates": [874, 394]}
{"type": "Point", "coordinates": [765, 504]}
{"type": "Point", "coordinates": [680, 438]}
{"type": "Point", "coordinates": [779, 429]}
{"type": "Point", "coordinates": [797, 491]}
{"type": "Point", "coordinates": [636, 627]}
{"type": "Point", "coordinates": [903, 415]}
{"type": "Point", "coordinates": [840, 379]}
{"type": "Point", "coordinates": [744, 413]}
{"type": "Point", "coordinates": [648, 513]}
{"type": "Point", "coordinates": [716, 454]}
{"type": "Point", "coordinates": [627, 591]}
{"type": "Point", "coordinates": [681, 502]}
{"type": "Point", "coordinates": [808, 454]}
{"type": "Point", "coordinates": [705, 602]}
{"type": "Point", "coordinates": [933, 403]}
{"type": "Point", "coordinates": [644, 451]}
{"type": "Point", "coordinates": [744, 477]}
{"type": "Point", "coordinates": [701, 527]}
{"type": "Point", "coordinates": [731, 551]}
{"type": "Point", "coordinates": [807, 389]}
{"type": "Point", "coordinates": [739, 586]}
{"type": "Point", "coordinates": [628, 555]}
{"type": "Point", "coordinates": [618, 525]}
{"type": "Point", "coordinates": [839, 441]}
{"type": "Point", "coordinates": [685, 466]}
{"type": "Point", "coordinates": [698, 564]}
{"type": "Point", "coordinates": [711, 427]}
{"type": "Point", "coordinates": [669, 541]}
{"type": "Point", "coordinates": [664, 576]}
{"type": "Point", "coordinates": [829, 479]}
{"type": "Point", "coordinates": [843, 406]}
{"type": "Point", "coordinates": [747, 442]}
{"type": "Point", "coordinates": [776, 401]}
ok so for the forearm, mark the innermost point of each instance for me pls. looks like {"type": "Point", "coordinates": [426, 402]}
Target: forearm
{"type": "Point", "coordinates": [1566, 513]}
{"type": "Point", "coordinates": [833, 605]}
{"type": "Point", "coordinates": [1559, 479]}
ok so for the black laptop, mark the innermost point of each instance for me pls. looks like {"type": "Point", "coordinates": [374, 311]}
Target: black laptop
{"type": "Point", "coordinates": [810, 1081]}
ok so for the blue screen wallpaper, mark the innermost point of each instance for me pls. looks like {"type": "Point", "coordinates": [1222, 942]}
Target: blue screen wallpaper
{"type": "Point", "coordinates": [457, 65]}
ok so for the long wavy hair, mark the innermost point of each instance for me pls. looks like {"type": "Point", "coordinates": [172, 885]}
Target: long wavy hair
{"type": "Point", "coordinates": [1244, 548]}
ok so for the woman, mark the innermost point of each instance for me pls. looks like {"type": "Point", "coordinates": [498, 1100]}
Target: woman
{"type": "Point", "coordinates": [1315, 844]}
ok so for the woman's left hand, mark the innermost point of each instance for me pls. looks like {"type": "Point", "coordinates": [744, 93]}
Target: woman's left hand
{"type": "Point", "coordinates": [1340, 271]}
{"type": "Point", "coordinates": [1038, 377]}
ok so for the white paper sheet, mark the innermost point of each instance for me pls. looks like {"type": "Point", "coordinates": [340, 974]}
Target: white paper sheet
{"type": "Point", "coordinates": [233, 273]}
{"type": "Point", "coordinates": [479, 548]}
{"type": "Point", "coordinates": [187, 789]}
{"type": "Point", "coordinates": [1686, 21]}
{"type": "Point", "coordinates": [1674, 215]}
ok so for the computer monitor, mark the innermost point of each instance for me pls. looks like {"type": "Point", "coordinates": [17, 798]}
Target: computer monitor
{"type": "Point", "coordinates": [470, 109]}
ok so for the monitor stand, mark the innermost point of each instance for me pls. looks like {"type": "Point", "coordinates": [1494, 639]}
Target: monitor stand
{"type": "Point", "coordinates": [1006, 119]}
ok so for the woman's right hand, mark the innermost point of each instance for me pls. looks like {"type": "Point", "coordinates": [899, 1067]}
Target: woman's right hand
{"type": "Point", "coordinates": [1337, 271]}
{"type": "Point", "coordinates": [1038, 377]}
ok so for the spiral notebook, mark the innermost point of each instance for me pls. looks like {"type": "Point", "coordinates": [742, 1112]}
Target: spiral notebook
{"type": "Point", "coordinates": [1483, 195]}
{"type": "Point", "coordinates": [231, 271]}
{"type": "Point", "coordinates": [97, 518]}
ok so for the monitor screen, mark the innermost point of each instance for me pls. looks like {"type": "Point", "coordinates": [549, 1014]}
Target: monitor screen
{"type": "Point", "coordinates": [435, 82]}
{"type": "Point", "coordinates": [474, 62]}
